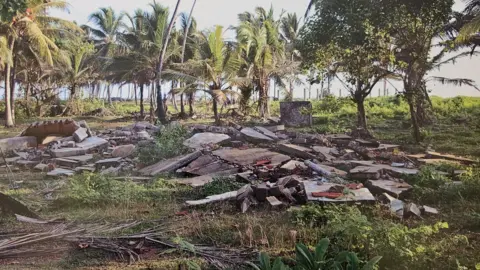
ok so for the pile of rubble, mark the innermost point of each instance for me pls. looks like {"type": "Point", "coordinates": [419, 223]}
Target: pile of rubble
{"type": "Point", "coordinates": [282, 168]}
{"type": "Point", "coordinates": [279, 167]}
{"type": "Point", "coordinates": [64, 147]}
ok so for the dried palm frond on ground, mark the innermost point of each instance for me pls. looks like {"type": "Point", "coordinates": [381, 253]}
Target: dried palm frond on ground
{"type": "Point", "coordinates": [125, 247]}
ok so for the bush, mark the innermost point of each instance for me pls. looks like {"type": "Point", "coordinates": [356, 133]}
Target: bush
{"type": "Point", "coordinates": [167, 145]}
{"type": "Point", "coordinates": [405, 247]}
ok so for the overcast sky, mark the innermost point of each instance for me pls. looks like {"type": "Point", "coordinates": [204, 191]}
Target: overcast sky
{"type": "Point", "coordinates": [224, 12]}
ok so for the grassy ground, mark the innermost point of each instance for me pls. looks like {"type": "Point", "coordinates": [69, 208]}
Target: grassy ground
{"type": "Point", "coordinates": [448, 241]}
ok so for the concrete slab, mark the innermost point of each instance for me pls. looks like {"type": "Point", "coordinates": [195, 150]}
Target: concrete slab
{"type": "Point", "coordinates": [107, 163]}
{"type": "Point", "coordinates": [325, 152]}
{"type": "Point", "coordinates": [296, 113]}
{"type": "Point", "coordinates": [254, 136]}
{"type": "Point", "coordinates": [394, 188]}
{"type": "Point", "coordinates": [250, 156]}
{"type": "Point", "coordinates": [366, 172]}
{"type": "Point", "coordinates": [68, 152]}
{"type": "Point", "coordinates": [60, 172]}
{"type": "Point", "coordinates": [200, 140]}
{"type": "Point", "coordinates": [266, 132]}
{"type": "Point", "coordinates": [170, 165]}
{"type": "Point", "coordinates": [293, 165]}
{"type": "Point", "coordinates": [123, 151]}
{"type": "Point", "coordinates": [91, 143]}
{"type": "Point", "coordinates": [359, 195]}
{"type": "Point", "coordinates": [17, 143]}
{"type": "Point", "coordinates": [296, 151]}
{"type": "Point", "coordinates": [206, 164]}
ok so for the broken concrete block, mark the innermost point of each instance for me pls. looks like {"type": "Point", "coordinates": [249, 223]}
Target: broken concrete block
{"type": "Point", "coordinates": [208, 164]}
{"type": "Point", "coordinates": [170, 165]}
{"type": "Point", "coordinates": [396, 206]}
{"type": "Point", "coordinates": [274, 202]}
{"type": "Point", "coordinates": [9, 161]}
{"type": "Point", "coordinates": [325, 153]}
{"type": "Point", "coordinates": [274, 120]}
{"type": "Point", "coordinates": [84, 159]}
{"type": "Point", "coordinates": [266, 132]}
{"type": "Point", "coordinates": [27, 163]}
{"type": "Point", "coordinates": [296, 151]}
{"type": "Point", "coordinates": [107, 163]}
{"type": "Point", "coordinates": [396, 189]}
{"type": "Point", "coordinates": [91, 143]}
{"type": "Point", "coordinates": [123, 151]}
{"type": "Point", "coordinates": [366, 172]}
{"type": "Point", "coordinates": [254, 136]}
{"type": "Point", "coordinates": [17, 143]}
{"type": "Point", "coordinates": [250, 156]}
{"type": "Point", "coordinates": [261, 192]}
{"type": "Point", "coordinates": [276, 128]}
{"type": "Point", "coordinates": [200, 140]}
{"type": "Point", "coordinates": [60, 172]}
{"type": "Point", "coordinates": [289, 181]}
{"type": "Point", "coordinates": [80, 134]}
{"type": "Point", "coordinates": [293, 165]}
{"type": "Point", "coordinates": [410, 210]}
{"type": "Point", "coordinates": [41, 167]}
{"type": "Point", "coordinates": [112, 171]}
{"type": "Point", "coordinates": [427, 210]}
{"type": "Point", "coordinates": [296, 113]}
{"type": "Point", "coordinates": [245, 177]}
{"type": "Point", "coordinates": [69, 163]}
{"type": "Point", "coordinates": [67, 152]}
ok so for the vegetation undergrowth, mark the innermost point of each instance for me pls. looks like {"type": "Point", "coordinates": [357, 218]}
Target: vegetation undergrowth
{"type": "Point", "coordinates": [168, 144]}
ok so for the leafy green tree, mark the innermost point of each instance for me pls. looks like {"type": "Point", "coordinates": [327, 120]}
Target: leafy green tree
{"type": "Point", "coordinates": [347, 36]}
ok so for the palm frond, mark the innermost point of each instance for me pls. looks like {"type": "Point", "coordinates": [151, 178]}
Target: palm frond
{"type": "Point", "coordinates": [455, 81]}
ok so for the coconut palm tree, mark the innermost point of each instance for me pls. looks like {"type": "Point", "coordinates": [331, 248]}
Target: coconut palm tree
{"type": "Point", "coordinates": [31, 30]}
{"type": "Point", "coordinates": [471, 28]}
{"type": "Point", "coordinates": [108, 26]}
{"type": "Point", "coordinates": [290, 29]}
{"type": "Point", "coordinates": [214, 68]}
{"type": "Point", "coordinates": [262, 47]}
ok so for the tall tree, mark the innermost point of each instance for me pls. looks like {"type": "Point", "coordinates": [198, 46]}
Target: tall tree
{"type": "Point", "coordinates": [187, 34]}
{"type": "Point", "coordinates": [160, 106]}
{"type": "Point", "coordinates": [258, 34]}
{"type": "Point", "coordinates": [349, 37]}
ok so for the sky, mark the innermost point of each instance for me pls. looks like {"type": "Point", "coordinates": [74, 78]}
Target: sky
{"type": "Point", "coordinates": [224, 12]}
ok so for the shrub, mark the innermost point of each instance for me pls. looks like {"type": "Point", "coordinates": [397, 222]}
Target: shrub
{"type": "Point", "coordinates": [167, 145]}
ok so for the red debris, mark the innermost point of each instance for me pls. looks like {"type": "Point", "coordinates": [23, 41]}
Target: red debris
{"type": "Point", "coordinates": [262, 162]}
{"type": "Point", "coordinates": [329, 195]}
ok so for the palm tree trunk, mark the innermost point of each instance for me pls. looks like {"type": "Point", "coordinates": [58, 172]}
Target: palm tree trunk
{"type": "Point", "coordinates": [8, 100]}
{"type": "Point", "coordinates": [109, 95]}
{"type": "Point", "coordinates": [215, 111]}
{"type": "Point", "coordinates": [27, 96]}
{"type": "Point", "coordinates": [142, 109]}
{"type": "Point", "coordinates": [135, 93]}
{"type": "Point", "coordinates": [162, 116]}
{"type": "Point", "coordinates": [263, 100]}
{"type": "Point", "coordinates": [182, 105]}
{"type": "Point", "coordinates": [152, 103]}
{"type": "Point", "coordinates": [191, 100]}
{"type": "Point", "coordinates": [12, 87]}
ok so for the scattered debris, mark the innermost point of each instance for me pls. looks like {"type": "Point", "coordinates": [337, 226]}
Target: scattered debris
{"type": "Point", "coordinates": [296, 151]}
{"type": "Point", "coordinates": [170, 165]}
{"type": "Point", "coordinates": [254, 136]}
{"type": "Point", "coordinates": [249, 157]}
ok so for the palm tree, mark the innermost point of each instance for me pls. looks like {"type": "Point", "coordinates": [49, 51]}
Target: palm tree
{"type": "Point", "coordinates": [258, 35]}
{"type": "Point", "coordinates": [189, 27]}
{"type": "Point", "coordinates": [290, 29]}
{"type": "Point", "coordinates": [32, 30]}
{"type": "Point", "coordinates": [472, 17]}
{"type": "Point", "coordinates": [161, 110]}
{"type": "Point", "coordinates": [215, 67]}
